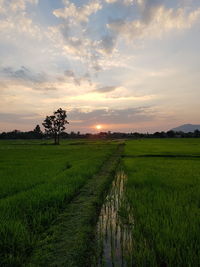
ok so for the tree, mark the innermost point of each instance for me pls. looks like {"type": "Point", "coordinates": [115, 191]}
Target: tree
{"type": "Point", "coordinates": [171, 133]}
{"type": "Point", "coordinates": [196, 133]}
{"type": "Point", "coordinates": [55, 124]}
{"type": "Point", "coordinates": [37, 131]}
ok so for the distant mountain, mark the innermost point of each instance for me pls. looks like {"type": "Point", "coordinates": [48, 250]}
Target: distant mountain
{"type": "Point", "coordinates": [187, 128]}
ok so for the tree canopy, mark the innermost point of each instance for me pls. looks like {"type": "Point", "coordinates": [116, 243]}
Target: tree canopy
{"type": "Point", "coordinates": [55, 124]}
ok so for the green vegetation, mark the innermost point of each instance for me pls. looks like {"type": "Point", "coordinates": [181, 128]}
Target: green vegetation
{"type": "Point", "coordinates": [164, 147]}
{"type": "Point", "coordinates": [37, 182]}
{"type": "Point", "coordinates": [163, 191]}
{"type": "Point", "coordinates": [70, 241]}
{"type": "Point", "coordinates": [50, 198]}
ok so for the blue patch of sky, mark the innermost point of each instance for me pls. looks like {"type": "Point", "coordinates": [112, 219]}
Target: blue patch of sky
{"type": "Point", "coordinates": [43, 12]}
{"type": "Point", "coordinates": [171, 3]}
{"type": "Point", "coordinates": [79, 3]}
{"type": "Point", "coordinates": [97, 26]}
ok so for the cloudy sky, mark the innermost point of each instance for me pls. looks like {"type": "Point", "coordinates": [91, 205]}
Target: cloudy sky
{"type": "Point", "coordinates": [128, 65]}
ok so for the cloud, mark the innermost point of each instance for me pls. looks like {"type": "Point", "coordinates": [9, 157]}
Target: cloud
{"type": "Point", "coordinates": [73, 37]}
{"type": "Point", "coordinates": [110, 116]}
{"type": "Point", "coordinates": [15, 5]}
{"type": "Point", "coordinates": [19, 24]}
{"type": "Point", "coordinates": [48, 88]}
{"type": "Point", "coordinates": [125, 2]}
{"type": "Point", "coordinates": [56, 54]}
{"type": "Point", "coordinates": [85, 119]}
{"type": "Point", "coordinates": [111, 1]}
{"type": "Point", "coordinates": [3, 85]}
{"type": "Point", "coordinates": [78, 14]}
{"type": "Point", "coordinates": [129, 2]}
{"type": "Point", "coordinates": [19, 118]}
{"type": "Point", "coordinates": [106, 89]}
{"type": "Point", "coordinates": [107, 44]}
{"type": "Point", "coordinates": [69, 75]}
{"type": "Point", "coordinates": [54, 86]}
{"type": "Point", "coordinates": [74, 42]}
{"type": "Point", "coordinates": [75, 34]}
{"type": "Point", "coordinates": [23, 74]}
{"type": "Point", "coordinates": [28, 79]}
{"type": "Point", "coordinates": [155, 19]}
{"type": "Point", "coordinates": [14, 19]}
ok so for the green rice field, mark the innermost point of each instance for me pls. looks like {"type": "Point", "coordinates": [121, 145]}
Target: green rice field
{"type": "Point", "coordinates": [50, 199]}
{"type": "Point", "coordinates": [37, 182]}
{"type": "Point", "coordinates": [163, 190]}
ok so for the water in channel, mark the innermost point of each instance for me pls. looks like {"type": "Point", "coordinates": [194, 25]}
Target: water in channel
{"type": "Point", "coordinates": [114, 232]}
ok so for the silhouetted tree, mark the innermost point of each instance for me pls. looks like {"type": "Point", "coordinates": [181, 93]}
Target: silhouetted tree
{"type": "Point", "coordinates": [37, 131]}
{"type": "Point", "coordinates": [196, 133]}
{"type": "Point", "coordinates": [171, 133]}
{"type": "Point", "coordinates": [55, 124]}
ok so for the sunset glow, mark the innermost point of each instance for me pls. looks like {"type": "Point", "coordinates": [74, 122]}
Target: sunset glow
{"type": "Point", "coordinates": [124, 63]}
{"type": "Point", "coordinates": [98, 127]}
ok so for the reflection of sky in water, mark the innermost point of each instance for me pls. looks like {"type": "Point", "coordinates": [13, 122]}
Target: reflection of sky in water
{"type": "Point", "coordinates": [114, 237]}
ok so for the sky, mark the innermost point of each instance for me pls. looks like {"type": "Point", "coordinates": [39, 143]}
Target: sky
{"type": "Point", "coordinates": [127, 65]}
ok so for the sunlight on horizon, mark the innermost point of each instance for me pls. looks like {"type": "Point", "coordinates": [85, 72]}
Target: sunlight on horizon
{"type": "Point", "coordinates": [127, 73]}
{"type": "Point", "coordinates": [98, 127]}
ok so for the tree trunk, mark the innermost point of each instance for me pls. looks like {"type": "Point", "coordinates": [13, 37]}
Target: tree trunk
{"type": "Point", "coordinates": [58, 139]}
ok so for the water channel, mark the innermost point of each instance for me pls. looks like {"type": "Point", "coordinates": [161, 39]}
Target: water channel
{"type": "Point", "coordinates": [114, 231]}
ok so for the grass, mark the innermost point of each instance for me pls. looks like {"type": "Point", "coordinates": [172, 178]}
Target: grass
{"type": "Point", "coordinates": [70, 241]}
{"type": "Point", "coordinates": [168, 146]}
{"type": "Point", "coordinates": [37, 182]}
{"type": "Point", "coordinates": [164, 196]}
{"type": "Point", "coordinates": [50, 198]}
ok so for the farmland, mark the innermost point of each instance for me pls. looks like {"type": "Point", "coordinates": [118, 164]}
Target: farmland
{"type": "Point", "coordinates": [50, 199]}
{"type": "Point", "coordinates": [37, 182]}
{"type": "Point", "coordinates": [163, 191]}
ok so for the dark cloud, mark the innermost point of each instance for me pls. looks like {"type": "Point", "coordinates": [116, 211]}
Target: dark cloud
{"type": "Point", "coordinates": [69, 74]}
{"type": "Point", "coordinates": [23, 74]}
{"type": "Point", "coordinates": [40, 81]}
{"type": "Point", "coordinates": [19, 118]}
{"type": "Point", "coordinates": [148, 9]}
{"type": "Point", "coordinates": [108, 43]}
{"type": "Point", "coordinates": [111, 116]}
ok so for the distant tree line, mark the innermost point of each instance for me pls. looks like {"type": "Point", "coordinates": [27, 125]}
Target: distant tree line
{"type": "Point", "coordinates": [37, 133]}
{"type": "Point", "coordinates": [16, 134]}
{"type": "Point", "coordinates": [55, 125]}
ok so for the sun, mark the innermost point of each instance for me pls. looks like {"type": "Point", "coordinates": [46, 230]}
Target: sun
{"type": "Point", "coordinates": [98, 127]}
